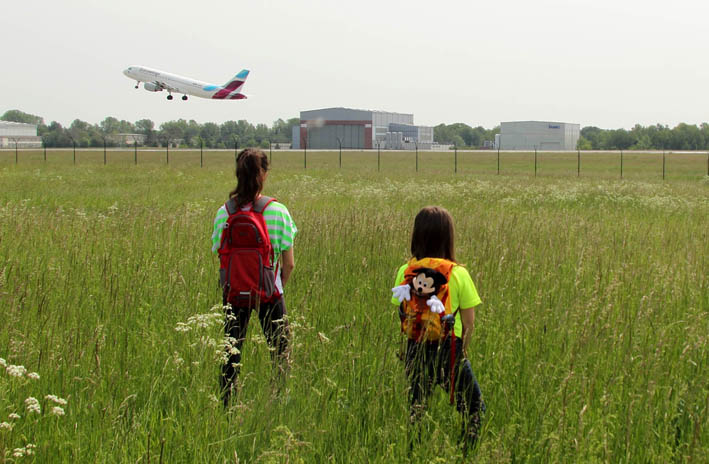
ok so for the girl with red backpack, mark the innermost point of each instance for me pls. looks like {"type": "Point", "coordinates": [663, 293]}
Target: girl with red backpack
{"type": "Point", "coordinates": [253, 235]}
{"type": "Point", "coordinates": [437, 299]}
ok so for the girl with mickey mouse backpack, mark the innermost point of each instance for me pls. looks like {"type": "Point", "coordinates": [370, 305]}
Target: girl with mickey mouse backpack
{"type": "Point", "coordinates": [437, 299]}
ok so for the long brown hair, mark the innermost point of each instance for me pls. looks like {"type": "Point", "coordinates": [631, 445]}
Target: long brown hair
{"type": "Point", "coordinates": [433, 235]}
{"type": "Point", "coordinates": [251, 164]}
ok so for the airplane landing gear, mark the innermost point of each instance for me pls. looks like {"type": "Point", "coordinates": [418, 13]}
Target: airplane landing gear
{"type": "Point", "coordinates": [136, 84]}
{"type": "Point", "coordinates": [184, 97]}
{"type": "Point", "coordinates": [169, 97]}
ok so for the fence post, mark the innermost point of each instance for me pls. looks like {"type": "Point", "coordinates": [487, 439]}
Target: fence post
{"type": "Point", "coordinates": [104, 152]}
{"type": "Point", "coordinates": [708, 163]}
{"type": "Point", "coordinates": [535, 161]}
{"type": "Point", "coordinates": [16, 155]}
{"type": "Point", "coordinates": [621, 164]}
{"type": "Point", "coordinates": [305, 155]}
{"type": "Point", "coordinates": [663, 164]}
{"type": "Point", "coordinates": [135, 153]}
{"type": "Point", "coordinates": [44, 145]}
{"type": "Point", "coordinates": [201, 153]}
{"type": "Point", "coordinates": [379, 156]}
{"type": "Point", "coordinates": [74, 144]}
{"type": "Point", "coordinates": [578, 163]}
{"type": "Point", "coordinates": [167, 152]}
{"type": "Point", "coordinates": [498, 160]}
{"type": "Point", "coordinates": [417, 156]}
{"type": "Point", "coordinates": [270, 152]}
{"type": "Point", "coordinates": [339, 142]}
{"type": "Point", "coordinates": [455, 147]}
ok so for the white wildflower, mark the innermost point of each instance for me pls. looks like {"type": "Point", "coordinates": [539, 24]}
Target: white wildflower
{"type": "Point", "coordinates": [16, 371]}
{"type": "Point", "coordinates": [33, 376]}
{"type": "Point", "coordinates": [5, 426]}
{"type": "Point", "coordinates": [3, 363]}
{"type": "Point", "coordinates": [56, 399]}
{"type": "Point", "coordinates": [18, 452]}
{"type": "Point", "coordinates": [14, 416]}
{"type": "Point", "coordinates": [182, 327]}
{"type": "Point", "coordinates": [33, 405]}
{"type": "Point", "coordinates": [57, 411]}
{"type": "Point", "coordinates": [29, 449]}
{"type": "Point", "coordinates": [177, 359]}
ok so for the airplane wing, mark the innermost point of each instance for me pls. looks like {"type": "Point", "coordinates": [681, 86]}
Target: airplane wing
{"type": "Point", "coordinates": [165, 86]}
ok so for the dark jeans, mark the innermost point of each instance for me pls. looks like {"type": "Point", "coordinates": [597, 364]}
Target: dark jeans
{"type": "Point", "coordinates": [275, 328]}
{"type": "Point", "coordinates": [428, 364]}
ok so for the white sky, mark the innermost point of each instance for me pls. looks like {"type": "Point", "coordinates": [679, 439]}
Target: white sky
{"type": "Point", "coordinates": [607, 63]}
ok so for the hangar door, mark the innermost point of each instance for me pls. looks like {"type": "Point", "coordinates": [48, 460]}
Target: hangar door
{"type": "Point", "coordinates": [550, 146]}
{"type": "Point", "coordinates": [351, 135]}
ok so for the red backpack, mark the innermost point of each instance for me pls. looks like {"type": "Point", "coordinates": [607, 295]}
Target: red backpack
{"type": "Point", "coordinates": [246, 262]}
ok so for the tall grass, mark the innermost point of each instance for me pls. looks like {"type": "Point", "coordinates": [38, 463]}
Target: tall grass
{"type": "Point", "coordinates": [590, 345]}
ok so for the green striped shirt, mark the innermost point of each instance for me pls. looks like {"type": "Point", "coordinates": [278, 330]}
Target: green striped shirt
{"type": "Point", "coordinates": [280, 225]}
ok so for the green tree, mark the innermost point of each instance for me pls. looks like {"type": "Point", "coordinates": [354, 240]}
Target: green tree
{"type": "Point", "coordinates": [210, 134]}
{"type": "Point", "coordinates": [172, 131]}
{"type": "Point", "coordinates": [19, 116]}
{"type": "Point", "coordinates": [147, 128]}
{"type": "Point", "coordinates": [81, 133]}
{"type": "Point", "coordinates": [110, 126]}
{"type": "Point", "coordinates": [56, 136]}
{"type": "Point", "coordinates": [583, 144]}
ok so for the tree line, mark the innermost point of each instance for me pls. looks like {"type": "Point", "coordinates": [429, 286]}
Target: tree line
{"type": "Point", "coordinates": [191, 134]}
{"type": "Point", "coordinates": [181, 132]}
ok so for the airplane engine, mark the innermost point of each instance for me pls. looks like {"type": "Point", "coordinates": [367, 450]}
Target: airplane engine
{"type": "Point", "coordinates": [150, 87]}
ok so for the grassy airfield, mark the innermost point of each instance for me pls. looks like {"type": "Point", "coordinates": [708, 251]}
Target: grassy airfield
{"type": "Point", "coordinates": [591, 345]}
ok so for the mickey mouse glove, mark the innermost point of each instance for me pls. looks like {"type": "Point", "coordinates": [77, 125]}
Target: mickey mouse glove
{"type": "Point", "coordinates": [402, 292]}
{"type": "Point", "coordinates": [436, 305]}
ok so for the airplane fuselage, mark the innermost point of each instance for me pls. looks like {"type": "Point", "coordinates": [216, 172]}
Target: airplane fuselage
{"type": "Point", "coordinates": [155, 81]}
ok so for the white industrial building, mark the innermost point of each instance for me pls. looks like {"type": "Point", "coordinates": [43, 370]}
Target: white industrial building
{"type": "Point", "coordinates": [360, 129]}
{"type": "Point", "coordinates": [19, 134]}
{"type": "Point", "coordinates": [537, 135]}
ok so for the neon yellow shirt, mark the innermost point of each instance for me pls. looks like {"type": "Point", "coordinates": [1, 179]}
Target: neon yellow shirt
{"type": "Point", "coordinates": [460, 288]}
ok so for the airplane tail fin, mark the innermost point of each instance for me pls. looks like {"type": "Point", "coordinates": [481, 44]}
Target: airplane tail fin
{"type": "Point", "coordinates": [230, 90]}
{"type": "Point", "coordinates": [237, 81]}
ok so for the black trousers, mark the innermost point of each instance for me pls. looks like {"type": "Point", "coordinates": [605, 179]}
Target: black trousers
{"type": "Point", "coordinates": [428, 364]}
{"type": "Point", "coordinates": [275, 328]}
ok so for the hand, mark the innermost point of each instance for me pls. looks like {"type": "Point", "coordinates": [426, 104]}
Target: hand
{"type": "Point", "coordinates": [402, 292]}
{"type": "Point", "coordinates": [435, 304]}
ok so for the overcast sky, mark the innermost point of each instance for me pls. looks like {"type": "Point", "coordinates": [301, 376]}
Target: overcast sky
{"type": "Point", "coordinates": [606, 63]}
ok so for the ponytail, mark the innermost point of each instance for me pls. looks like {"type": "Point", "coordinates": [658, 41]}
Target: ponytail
{"type": "Point", "coordinates": [251, 163]}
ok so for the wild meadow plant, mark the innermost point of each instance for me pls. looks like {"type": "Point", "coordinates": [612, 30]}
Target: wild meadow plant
{"type": "Point", "coordinates": [590, 344]}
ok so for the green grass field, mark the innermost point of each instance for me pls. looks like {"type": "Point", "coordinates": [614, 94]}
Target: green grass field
{"type": "Point", "coordinates": [591, 344]}
{"type": "Point", "coordinates": [597, 165]}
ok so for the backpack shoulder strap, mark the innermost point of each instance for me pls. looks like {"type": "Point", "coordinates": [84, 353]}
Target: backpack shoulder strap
{"type": "Point", "coordinates": [231, 206]}
{"type": "Point", "coordinates": [262, 203]}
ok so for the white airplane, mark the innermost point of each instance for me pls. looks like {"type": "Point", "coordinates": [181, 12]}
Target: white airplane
{"type": "Point", "coordinates": [157, 81]}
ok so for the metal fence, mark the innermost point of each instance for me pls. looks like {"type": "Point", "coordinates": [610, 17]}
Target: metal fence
{"type": "Point", "coordinates": [620, 164]}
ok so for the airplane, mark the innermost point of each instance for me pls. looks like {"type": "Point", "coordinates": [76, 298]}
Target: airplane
{"type": "Point", "coordinates": [157, 81]}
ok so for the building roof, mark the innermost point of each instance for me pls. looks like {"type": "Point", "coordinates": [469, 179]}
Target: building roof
{"type": "Point", "coordinates": [542, 122]}
{"type": "Point", "coordinates": [17, 124]}
{"type": "Point", "coordinates": [355, 109]}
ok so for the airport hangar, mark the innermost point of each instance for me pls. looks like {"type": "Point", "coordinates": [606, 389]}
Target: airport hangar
{"type": "Point", "coordinates": [24, 135]}
{"type": "Point", "coordinates": [360, 129]}
{"type": "Point", "coordinates": [537, 135]}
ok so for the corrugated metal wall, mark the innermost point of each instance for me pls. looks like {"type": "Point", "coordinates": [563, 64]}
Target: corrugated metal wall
{"type": "Point", "coordinates": [352, 136]}
{"type": "Point", "coordinates": [542, 135]}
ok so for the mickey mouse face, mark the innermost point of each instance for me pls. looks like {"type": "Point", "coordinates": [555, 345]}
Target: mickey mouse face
{"type": "Point", "coordinates": [423, 285]}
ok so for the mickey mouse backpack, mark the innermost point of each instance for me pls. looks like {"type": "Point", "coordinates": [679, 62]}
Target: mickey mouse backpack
{"type": "Point", "coordinates": [425, 309]}
{"type": "Point", "coordinates": [428, 303]}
